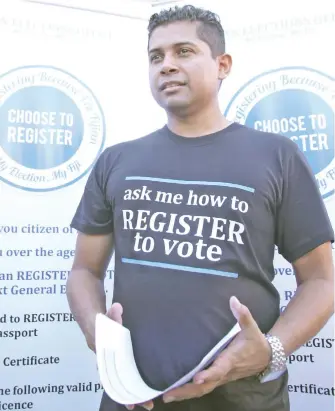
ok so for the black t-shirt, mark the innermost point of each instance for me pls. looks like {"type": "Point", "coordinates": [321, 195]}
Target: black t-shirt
{"type": "Point", "coordinates": [195, 221]}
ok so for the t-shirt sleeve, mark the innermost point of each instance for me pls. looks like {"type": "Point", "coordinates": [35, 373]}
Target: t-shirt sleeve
{"type": "Point", "coordinates": [94, 213]}
{"type": "Point", "coordinates": [302, 221]}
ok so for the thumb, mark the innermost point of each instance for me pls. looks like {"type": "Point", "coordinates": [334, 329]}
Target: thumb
{"type": "Point", "coordinates": [115, 312]}
{"type": "Point", "coordinates": [242, 314]}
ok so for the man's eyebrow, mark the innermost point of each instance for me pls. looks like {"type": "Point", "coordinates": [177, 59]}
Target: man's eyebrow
{"type": "Point", "coordinates": [179, 44]}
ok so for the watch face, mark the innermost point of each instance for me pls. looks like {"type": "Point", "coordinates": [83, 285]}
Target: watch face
{"type": "Point", "coordinates": [270, 376]}
{"type": "Point", "coordinates": [265, 372]}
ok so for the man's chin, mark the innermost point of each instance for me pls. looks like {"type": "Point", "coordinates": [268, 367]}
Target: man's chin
{"type": "Point", "coordinates": [175, 104]}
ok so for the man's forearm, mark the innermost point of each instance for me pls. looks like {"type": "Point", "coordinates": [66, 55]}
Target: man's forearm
{"type": "Point", "coordinates": [86, 297]}
{"type": "Point", "coordinates": [306, 314]}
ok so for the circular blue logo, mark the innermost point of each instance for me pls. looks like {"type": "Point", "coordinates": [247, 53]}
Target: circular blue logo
{"type": "Point", "coordinates": [51, 128]}
{"type": "Point", "coordinates": [298, 103]}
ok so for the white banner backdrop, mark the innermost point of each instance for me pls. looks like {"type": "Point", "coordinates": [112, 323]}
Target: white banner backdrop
{"type": "Point", "coordinates": [283, 81]}
{"type": "Point", "coordinates": [71, 83]}
{"type": "Point", "coordinates": [68, 88]}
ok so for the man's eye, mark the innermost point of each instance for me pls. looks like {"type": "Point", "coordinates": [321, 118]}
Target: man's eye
{"type": "Point", "coordinates": [184, 51]}
{"type": "Point", "coordinates": [154, 57]}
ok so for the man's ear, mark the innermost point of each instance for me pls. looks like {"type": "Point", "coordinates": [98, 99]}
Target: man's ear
{"type": "Point", "coordinates": [225, 63]}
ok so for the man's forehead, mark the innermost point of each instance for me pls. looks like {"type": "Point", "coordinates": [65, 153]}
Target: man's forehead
{"type": "Point", "coordinates": [174, 33]}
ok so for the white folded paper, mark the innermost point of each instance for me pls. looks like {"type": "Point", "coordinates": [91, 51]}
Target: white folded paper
{"type": "Point", "coordinates": [117, 367]}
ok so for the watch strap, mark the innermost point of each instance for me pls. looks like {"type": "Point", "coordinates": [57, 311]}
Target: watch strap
{"type": "Point", "coordinates": [277, 365]}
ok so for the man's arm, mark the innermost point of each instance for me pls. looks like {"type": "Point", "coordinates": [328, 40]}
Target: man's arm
{"type": "Point", "coordinates": [85, 285]}
{"type": "Point", "coordinates": [313, 303]}
{"type": "Point", "coordinates": [303, 235]}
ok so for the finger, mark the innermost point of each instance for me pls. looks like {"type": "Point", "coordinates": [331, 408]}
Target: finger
{"type": "Point", "coordinates": [188, 391]}
{"type": "Point", "coordinates": [115, 312]}
{"type": "Point", "coordinates": [149, 405]}
{"type": "Point", "coordinates": [242, 314]}
{"type": "Point", "coordinates": [216, 373]}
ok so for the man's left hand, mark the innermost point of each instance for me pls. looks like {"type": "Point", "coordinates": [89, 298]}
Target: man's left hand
{"type": "Point", "coordinates": [248, 354]}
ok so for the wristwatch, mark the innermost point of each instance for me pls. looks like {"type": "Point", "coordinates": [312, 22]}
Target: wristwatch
{"type": "Point", "coordinates": [277, 365]}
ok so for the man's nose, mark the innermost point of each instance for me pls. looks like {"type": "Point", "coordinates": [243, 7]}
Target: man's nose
{"type": "Point", "coordinates": [169, 67]}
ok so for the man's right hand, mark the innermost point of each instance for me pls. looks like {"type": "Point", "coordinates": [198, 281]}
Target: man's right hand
{"type": "Point", "coordinates": [115, 313]}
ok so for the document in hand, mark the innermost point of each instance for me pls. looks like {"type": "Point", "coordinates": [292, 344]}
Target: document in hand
{"type": "Point", "coordinates": [117, 368]}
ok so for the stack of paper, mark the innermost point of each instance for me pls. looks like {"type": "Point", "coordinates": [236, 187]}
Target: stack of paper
{"type": "Point", "coordinates": [117, 368]}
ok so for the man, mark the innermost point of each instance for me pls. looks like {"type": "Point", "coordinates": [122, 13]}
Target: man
{"type": "Point", "coordinates": [193, 212]}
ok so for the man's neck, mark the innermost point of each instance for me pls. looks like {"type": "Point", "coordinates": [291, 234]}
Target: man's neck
{"type": "Point", "coordinates": [198, 124]}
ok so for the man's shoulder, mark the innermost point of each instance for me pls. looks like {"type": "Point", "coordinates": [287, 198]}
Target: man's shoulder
{"type": "Point", "coordinates": [111, 155]}
{"type": "Point", "coordinates": [137, 142]}
{"type": "Point", "coordinates": [267, 140]}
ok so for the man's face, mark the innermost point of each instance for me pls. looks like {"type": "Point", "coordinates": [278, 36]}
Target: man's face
{"type": "Point", "coordinates": [183, 74]}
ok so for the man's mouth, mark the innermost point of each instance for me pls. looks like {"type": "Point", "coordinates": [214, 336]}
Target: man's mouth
{"type": "Point", "coordinates": [171, 85]}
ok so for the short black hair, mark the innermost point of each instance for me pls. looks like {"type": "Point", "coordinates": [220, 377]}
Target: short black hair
{"type": "Point", "coordinates": [209, 28]}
